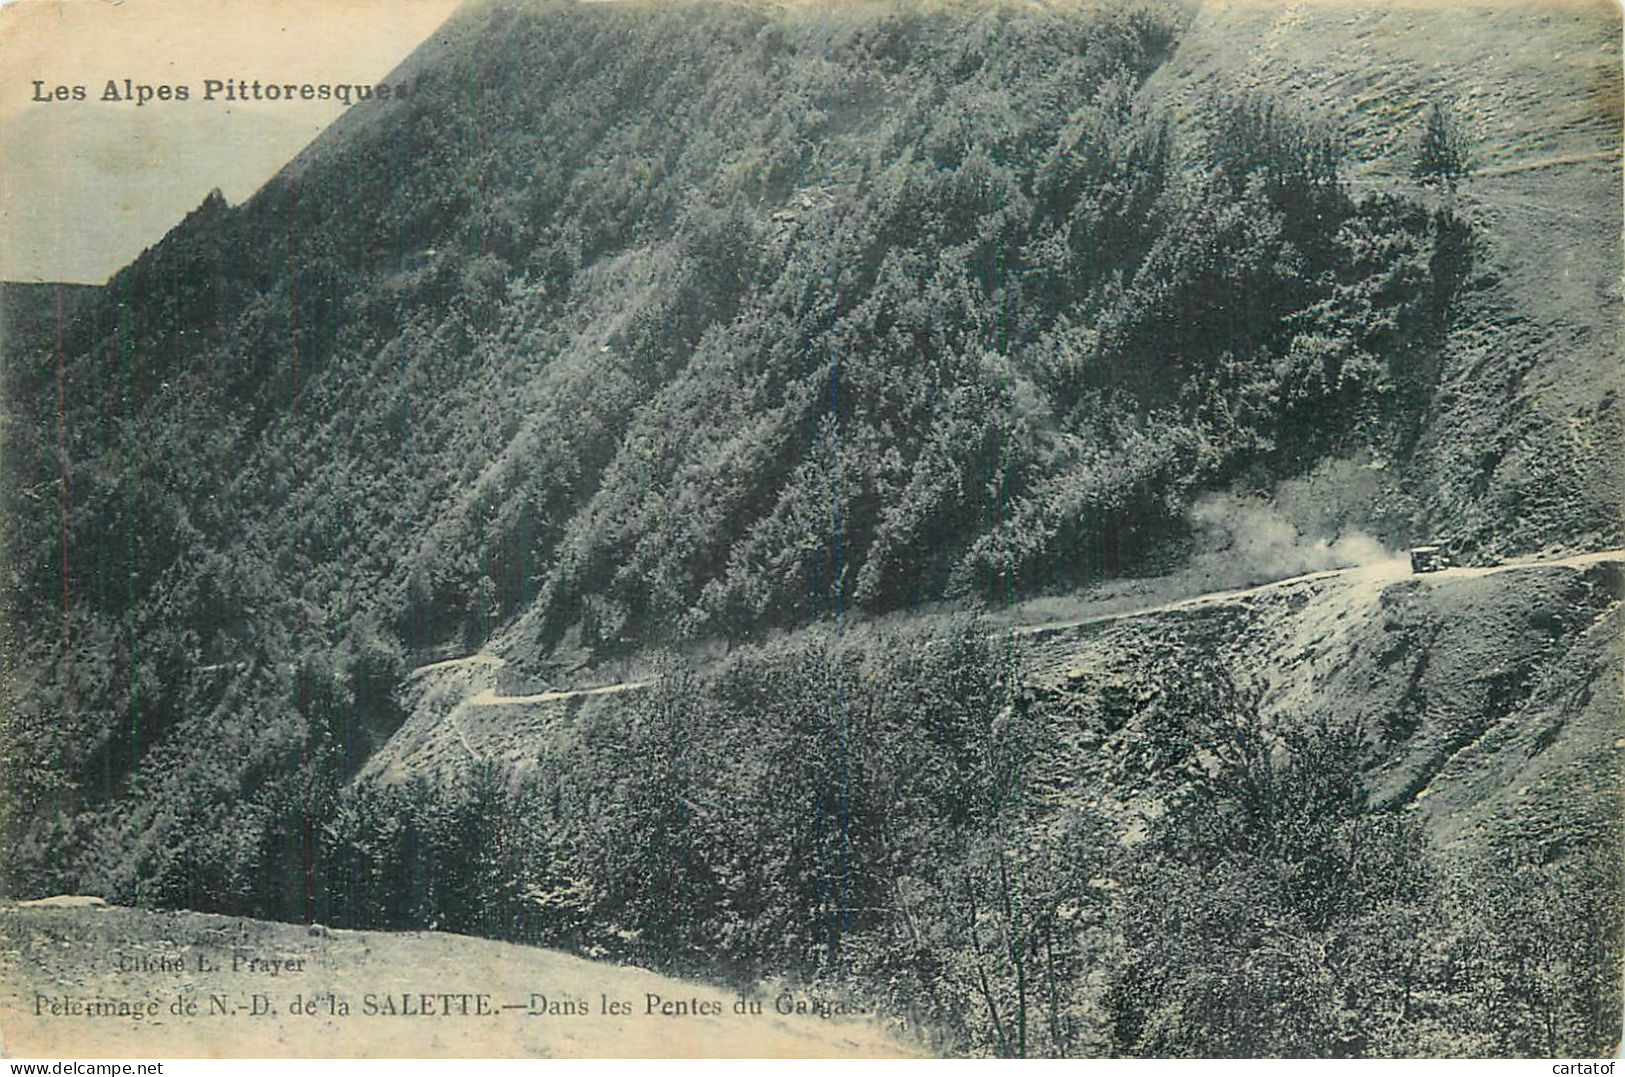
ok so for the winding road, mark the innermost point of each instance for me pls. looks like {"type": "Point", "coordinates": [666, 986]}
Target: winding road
{"type": "Point", "coordinates": [1375, 574]}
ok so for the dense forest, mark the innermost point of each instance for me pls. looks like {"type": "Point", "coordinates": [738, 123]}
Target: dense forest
{"type": "Point", "coordinates": [639, 330]}
{"type": "Point", "coordinates": [885, 823]}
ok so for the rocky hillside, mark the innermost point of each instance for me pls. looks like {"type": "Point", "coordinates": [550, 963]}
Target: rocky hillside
{"type": "Point", "coordinates": [1491, 696]}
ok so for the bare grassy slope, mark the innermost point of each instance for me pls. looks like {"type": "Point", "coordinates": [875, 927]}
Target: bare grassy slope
{"type": "Point", "coordinates": [75, 953]}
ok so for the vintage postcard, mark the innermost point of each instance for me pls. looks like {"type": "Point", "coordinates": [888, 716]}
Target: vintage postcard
{"type": "Point", "coordinates": [880, 528]}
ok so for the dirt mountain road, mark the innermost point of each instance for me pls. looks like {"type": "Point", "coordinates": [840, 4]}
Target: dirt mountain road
{"type": "Point", "coordinates": [1371, 576]}
{"type": "Point", "coordinates": [1367, 578]}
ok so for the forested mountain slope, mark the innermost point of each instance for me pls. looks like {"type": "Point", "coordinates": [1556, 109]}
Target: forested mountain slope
{"type": "Point", "coordinates": [639, 329]}
{"type": "Point", "coordinates": [1522, 444]}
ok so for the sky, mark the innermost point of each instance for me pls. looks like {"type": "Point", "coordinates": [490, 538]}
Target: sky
{"type": "Point", "coordinates": [86, 185]}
